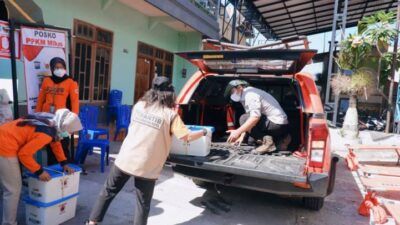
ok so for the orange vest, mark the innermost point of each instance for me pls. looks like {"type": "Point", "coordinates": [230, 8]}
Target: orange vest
{"type": "Point", "coordinates": [24, 141]}
{"type": "Point", "coordinates": [57, 94]}
{"type": "Point", "coordinates": [230, 118]}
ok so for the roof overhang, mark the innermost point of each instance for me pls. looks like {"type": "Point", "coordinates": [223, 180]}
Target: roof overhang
{"type": "Point", "coordinates": [24, 11]}
{"type": "Point", "coordinates": [279, 18]}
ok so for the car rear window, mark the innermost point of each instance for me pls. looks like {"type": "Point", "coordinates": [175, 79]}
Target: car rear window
{"type": "Point", "coordinates": [248, 66]}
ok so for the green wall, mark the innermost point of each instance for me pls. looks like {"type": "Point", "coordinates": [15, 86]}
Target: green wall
{"type": "Point", "coordinates": [129, 27]}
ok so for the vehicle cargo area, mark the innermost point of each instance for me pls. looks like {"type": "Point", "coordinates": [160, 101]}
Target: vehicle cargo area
{"type": "Point", "coordinates": [238, 160]}
{"type": "Point", "coordinates": [209, 108]}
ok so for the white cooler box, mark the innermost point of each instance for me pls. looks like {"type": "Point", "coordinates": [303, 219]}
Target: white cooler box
{"type": "Point", "coordinates": [199, 147]}
{"type": "Point", "coordinates": [53, 213]}
{"type": "Point", "coordinates": [60, 185]}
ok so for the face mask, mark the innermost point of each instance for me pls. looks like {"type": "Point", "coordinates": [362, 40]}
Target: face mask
{"type": "Point", "coordinates": [63, 135]}
{"type": "Point", "coordinates": [59, 72]}
{"type": "Point", "coordinates": [236, 97]}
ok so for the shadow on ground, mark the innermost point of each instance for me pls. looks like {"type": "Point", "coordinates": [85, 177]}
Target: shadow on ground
{"type": "Point", "coordinates": [178, 201]}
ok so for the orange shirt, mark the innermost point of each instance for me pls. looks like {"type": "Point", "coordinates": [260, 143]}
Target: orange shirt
{"type": "Point", "coordinates": [56, 94]}
{"type": "Point", "coordinates": [24, 142]}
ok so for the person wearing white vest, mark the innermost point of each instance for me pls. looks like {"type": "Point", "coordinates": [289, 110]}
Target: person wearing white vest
{"type": "Point", "coordinates": [5, 107]}
{"type": "Point", "coordinates": [144, 150]}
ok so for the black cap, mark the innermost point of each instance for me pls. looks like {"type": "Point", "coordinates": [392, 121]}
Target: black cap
{"type": "Point", "coordinates": [162, 84]}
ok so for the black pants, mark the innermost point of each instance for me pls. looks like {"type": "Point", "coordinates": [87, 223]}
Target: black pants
{"type": "Point", "coordinates": [266, 127]}
{"type": "Point", "coordinates": [51, 158]}
{"type": "Point", "coordinates": [115, 182]}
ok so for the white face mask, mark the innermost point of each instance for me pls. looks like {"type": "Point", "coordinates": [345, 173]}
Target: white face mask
{"type": "Point", "coordinates": [59, 72]}
{"type": "Point", "coordinates": [236, 97]}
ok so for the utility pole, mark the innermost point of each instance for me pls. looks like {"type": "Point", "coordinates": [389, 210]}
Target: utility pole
{"type": "Point", "coordinates": [393, 70]}
{"type": "Point", "coordinates": [336, 17]}
{"type": "Point", "coordinates": [233, 34]}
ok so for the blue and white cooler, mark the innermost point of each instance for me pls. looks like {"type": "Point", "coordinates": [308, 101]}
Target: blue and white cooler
{"type": "Point", "coordinates": [52, 202]}
{"type": "Point", "coordinates": [199, 147]}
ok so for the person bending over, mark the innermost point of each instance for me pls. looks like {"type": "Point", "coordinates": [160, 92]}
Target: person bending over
{"type": "Point", "coordinates": [20, 140]}
{"type": "Point", "coordinates": [144, 150]}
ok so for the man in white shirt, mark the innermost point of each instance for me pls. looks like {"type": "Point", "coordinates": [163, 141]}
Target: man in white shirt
{"type": "Point", "coordinates": [264, 119]}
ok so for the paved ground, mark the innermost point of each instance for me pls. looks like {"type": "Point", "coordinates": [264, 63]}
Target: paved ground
{"type": "Point", "coordinates": [178, 201]}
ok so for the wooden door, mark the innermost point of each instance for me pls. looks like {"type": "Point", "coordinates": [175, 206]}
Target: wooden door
{"type": "Point", "coordinates": [143, 77]}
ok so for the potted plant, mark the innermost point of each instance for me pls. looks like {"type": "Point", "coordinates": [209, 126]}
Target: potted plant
{"type": "Point", "coordinates": [366, 56]}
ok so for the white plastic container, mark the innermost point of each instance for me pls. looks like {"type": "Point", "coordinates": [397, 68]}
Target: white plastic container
{"type": "Point", "coordinates": [60, 185]}
{"type": "Point", "coordinates": [53, 213]}
{"type": "Point", "coordinates": [199, 147]}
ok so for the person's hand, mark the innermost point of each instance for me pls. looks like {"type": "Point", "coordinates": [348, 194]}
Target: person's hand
{"type": "Point", "coordinates": [233, 135]}
{"type": "Point", "coordinates": [239, 141]}
{"type": "Point", "coordinates": [44, 176]}
{"type": "Point", "coordinates": [68, 169]}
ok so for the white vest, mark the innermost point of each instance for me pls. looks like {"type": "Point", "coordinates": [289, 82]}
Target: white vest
{"type": "Point", "coordinates": [148, 142]}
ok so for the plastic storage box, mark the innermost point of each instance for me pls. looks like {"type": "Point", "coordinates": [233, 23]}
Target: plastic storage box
{"type": "Point", "coordinates": [60, 186]}
{"type": "Point", "coordinates": [199, 147]}
{"type": "Point", "coordinates": [52, 213]}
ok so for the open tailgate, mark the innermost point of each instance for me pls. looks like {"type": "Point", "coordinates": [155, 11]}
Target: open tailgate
{"type": "Point", "coordinates": [263, 61]}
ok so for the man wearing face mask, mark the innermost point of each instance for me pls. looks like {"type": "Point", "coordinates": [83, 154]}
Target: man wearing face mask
{"type": "Point", "coordinates": [20, 140]}
{"type": "Point", "coordinates": [57, 92]}
{"type": "Point", "coordinates": [264, 120]}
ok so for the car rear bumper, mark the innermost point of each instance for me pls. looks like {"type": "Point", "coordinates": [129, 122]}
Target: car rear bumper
{"type": "Point", "coordinates": [277, 183]}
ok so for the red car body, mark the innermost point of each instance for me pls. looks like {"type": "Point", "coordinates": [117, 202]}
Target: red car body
{"type": "Point", "coordinates": [311, 154]}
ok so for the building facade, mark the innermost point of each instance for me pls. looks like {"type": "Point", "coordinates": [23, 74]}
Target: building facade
{"type": "Point", "coordinates": [121, 44]}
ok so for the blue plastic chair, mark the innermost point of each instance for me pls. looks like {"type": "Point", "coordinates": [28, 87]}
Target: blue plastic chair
{"type": "Point", "coordinates": [123, 119]}
{"type": "Point", "coordinates": [86, 143]}
{"type": "Point", "coordinates": [114, 102]}
{"type": "Point", "coordinates": [89, 117]}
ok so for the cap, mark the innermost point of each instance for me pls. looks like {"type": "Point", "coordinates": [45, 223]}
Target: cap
{"type": "Point", "coordinates": [162, 84]}
{"type": "Point", "coordinates": [232, 84]}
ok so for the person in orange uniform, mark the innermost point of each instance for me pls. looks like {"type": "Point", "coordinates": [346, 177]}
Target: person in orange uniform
{"type": "Point", "coordinates": [57, 92]}
{"type": "Point", "coordinates": [20, 140]}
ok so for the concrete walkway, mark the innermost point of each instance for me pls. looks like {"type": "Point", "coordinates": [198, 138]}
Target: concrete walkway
{"type": "Point", "coordinates": [178, 201]}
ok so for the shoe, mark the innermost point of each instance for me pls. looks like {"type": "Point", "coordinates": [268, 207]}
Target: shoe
{"type": "Point", "coordinates": [87, 222]}
{"type": "Point", "coordinates": [284, 143]}
{"type": "Point", "coordinates": [266, 146]}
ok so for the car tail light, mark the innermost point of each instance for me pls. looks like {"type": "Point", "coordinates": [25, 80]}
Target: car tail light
{"type": "Point", "coordinates": [318, 147]}
{"type": "Point", "coordinates": [317, 151]}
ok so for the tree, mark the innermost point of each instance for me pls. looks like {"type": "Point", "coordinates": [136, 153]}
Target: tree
{"type": "Point", "coordinates": [365, 60]}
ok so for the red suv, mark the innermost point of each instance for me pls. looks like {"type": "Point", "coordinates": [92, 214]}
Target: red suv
{"type": "Point", "coordinates": [307, 170]}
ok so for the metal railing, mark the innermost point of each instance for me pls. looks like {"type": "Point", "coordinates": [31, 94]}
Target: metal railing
{"type": "Point", "coordinates": [208, 6]}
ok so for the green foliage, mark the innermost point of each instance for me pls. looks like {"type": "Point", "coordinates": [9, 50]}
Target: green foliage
{"type": "Point", "coordinates": [378, 17]}
{"type": "Point", "coordinates": [354, 50]}
{"type": "Point", "coordinates": [361, 52]}
{"type": "Point", "coordinates": [386, 67]}
{"type": "Point", "coordinates": [379, 29]}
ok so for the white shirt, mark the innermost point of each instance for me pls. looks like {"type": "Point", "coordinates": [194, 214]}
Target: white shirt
{"type": "Point", "coordinates": [257, 102]}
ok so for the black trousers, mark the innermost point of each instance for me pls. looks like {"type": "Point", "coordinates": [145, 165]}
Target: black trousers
{"type": "Point", "coordinates": [266, 127]}
{"type": "Point", "coordinates": [115, 182]}
{"type": "Point", "coordinates": [51, 158]}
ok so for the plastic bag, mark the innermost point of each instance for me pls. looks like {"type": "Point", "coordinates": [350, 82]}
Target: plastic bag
{"type": "Point", "coordinates": [5, 107]}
